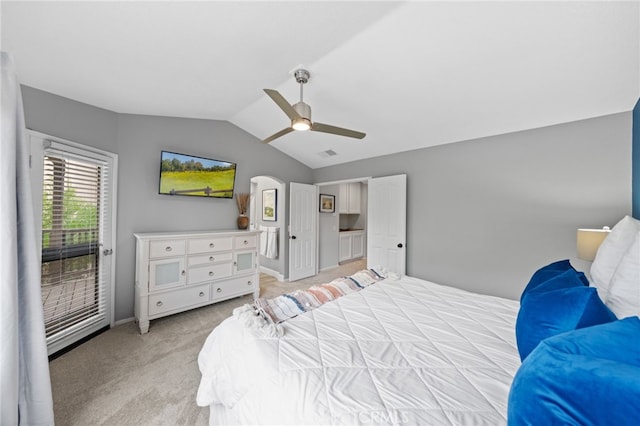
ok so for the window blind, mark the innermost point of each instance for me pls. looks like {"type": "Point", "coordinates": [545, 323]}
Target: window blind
{"type": "Point", "coordinates": [75, 200]}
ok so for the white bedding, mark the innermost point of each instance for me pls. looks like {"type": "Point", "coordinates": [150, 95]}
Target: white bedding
{"type": "Point", "coordinates": [404, 351]}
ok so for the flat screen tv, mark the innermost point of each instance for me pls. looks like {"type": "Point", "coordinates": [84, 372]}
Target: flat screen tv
{"type": "Point", "coordinates": [182, 174]}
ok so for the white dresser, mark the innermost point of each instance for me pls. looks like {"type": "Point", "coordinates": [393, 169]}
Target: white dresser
{"type": "Point", "coordinates": [178, 271]}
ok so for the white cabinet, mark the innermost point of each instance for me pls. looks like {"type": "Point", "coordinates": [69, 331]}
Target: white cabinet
{"type": "Point", "coordinates": [345, 246]}
{"type": "Point", "coordinates": [166, 273]}
{"type": "Point", "coordinates": [351, 245]}
{"type": "Point", "coordinates": [349, 198]}
{"type": "Point", "coordinates": [176, 272]}
{"type": "Point", "coordinates": [357, 244]}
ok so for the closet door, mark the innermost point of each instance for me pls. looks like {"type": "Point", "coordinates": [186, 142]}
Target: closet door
{"type": "Point", "coordinates": [386, 229]}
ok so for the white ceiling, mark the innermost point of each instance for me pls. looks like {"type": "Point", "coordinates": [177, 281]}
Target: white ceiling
{"type": "Point", "coordinates": [409, 74]}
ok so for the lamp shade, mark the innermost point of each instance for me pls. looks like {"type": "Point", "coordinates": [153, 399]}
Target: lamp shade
{"type": "Point", "coordinates": [588, 242]}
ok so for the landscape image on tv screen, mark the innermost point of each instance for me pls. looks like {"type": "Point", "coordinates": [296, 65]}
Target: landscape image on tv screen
{"type": "Point", "coordinates": [182, 174]}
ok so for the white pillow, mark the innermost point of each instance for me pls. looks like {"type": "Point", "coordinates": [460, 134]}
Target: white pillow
{"type": "Point", "coordinates": [624, 292]}
{"type": "Point", "coordinates": [610, 253]}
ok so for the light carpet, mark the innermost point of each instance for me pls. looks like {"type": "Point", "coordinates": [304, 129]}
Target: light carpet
{"type": "Point", "coordinates": [123, 378]}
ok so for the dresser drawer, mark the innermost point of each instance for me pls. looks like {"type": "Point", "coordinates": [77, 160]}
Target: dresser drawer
{"type": "Point", "coordinates": [248, 241]}
{"type": "Point", "coordinates": [209, 272]}
{"type": "Point", "coordinates": [166, 248]}
{"type": "Point", "coordinates": [178, 299]}
{"type": "Point", "coordinates": [205, 245]}
{"type": "Point", "coordinates": [236, 286]}
{"type": "Point", "coordinates": [207, 259]}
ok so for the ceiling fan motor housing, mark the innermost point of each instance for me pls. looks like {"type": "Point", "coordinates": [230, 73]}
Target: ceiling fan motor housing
{"type": "Point", "coordinates": [304, 121]}
{"type": "Point", "coordinates": [303, 110]}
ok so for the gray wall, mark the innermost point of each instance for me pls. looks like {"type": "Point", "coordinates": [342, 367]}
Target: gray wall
{"type": "Point", "coordinates": [138, 141]}
{"type": "Point", "coordinates": [66, 119]}
{"type": "Point", "coordinates": [483, 215]}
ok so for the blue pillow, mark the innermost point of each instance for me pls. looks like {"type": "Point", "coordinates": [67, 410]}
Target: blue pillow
{"type": "Point", "coordinates": [555, 306]}
{"type": "Point", "coordinates": [587, 377]}
{"type": "Point", "coordinates": [550, 271]}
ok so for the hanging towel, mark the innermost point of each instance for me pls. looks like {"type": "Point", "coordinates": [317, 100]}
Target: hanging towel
{"type": "Point", "coordinates": [269, 237]}
{"type": "Point", "coordinates": [263, 239]}
{"type": "Point", "coordinates": [272, 242]}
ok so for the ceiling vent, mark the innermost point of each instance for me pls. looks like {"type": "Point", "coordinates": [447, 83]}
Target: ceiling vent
{"type": "Point", "coordinates": [328, 153]}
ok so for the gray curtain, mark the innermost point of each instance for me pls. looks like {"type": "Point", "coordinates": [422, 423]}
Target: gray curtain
{"type": "Point", "coordinates": [25, 392]}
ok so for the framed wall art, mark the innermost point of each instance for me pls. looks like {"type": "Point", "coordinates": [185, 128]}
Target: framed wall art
{"type": "Point", "coordinates": [327, 203]}
{"type": "Point", "coordinates": [269, 203]}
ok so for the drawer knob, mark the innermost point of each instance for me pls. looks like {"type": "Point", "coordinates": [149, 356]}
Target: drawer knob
{"type": "Point", "coordinates": [212, 245]}
{"type": "Point", "coordinates": [159, 303]}
{"type": "Point", "coordinates": [210, 273]}
{"type": "Point", "coordinates": [249, 283]}
{"type": "Point", "coordinates": [168, 248]}
{"type": "Point", "coordinates": [246, 242]}
{"type": "Point", "coordinates": [201, 294]}
{"type": "Point", "coordinates": [219, 290]}
{"type": "Point", "coordinates": [211, 258]}
{"type": "Point", "coordinates": [184, 272]}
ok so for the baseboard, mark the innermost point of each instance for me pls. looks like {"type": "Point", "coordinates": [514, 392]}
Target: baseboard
{"type": "Point", "coordinates": [123, 321]}
{"type": "Point", "coordinates": [328, 267]}
{"type": "Point", "coordinates": [275, 274]}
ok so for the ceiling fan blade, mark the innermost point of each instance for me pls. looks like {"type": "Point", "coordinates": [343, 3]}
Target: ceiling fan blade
{"type": "Point", "coordinates": [277, 135]}
{"type": "Point", "coordinates": [326, 128]}
{"type": "Point", "coordinates": [282, 103]}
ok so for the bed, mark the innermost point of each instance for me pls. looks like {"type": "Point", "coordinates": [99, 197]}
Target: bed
{"type": "Point", "coordinates": [408, 351]}
{"type": "Point", "coordinates": [400, 351]}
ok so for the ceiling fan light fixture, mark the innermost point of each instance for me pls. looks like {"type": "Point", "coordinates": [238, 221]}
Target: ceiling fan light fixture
{"type": "Point", "coordinates": [301, 124]}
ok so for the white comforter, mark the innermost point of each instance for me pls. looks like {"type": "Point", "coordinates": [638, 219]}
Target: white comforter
{"type": "Point", "coordinates": [398, 352]}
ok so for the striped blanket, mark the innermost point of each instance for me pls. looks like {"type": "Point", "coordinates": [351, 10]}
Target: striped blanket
{"type": "Point", "coordinates": [266, 314]}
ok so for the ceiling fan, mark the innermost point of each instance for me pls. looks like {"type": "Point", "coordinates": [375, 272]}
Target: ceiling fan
{"type": "Point", "coordinates": [300, 114]}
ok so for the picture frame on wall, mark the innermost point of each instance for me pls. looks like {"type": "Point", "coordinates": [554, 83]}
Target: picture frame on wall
{"type": "Point", "coordinates": [269, 204]}
{"type": "Point", "coordinates": [327, 203]}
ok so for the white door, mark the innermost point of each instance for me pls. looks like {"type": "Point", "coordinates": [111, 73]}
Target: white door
{"type": "Point", "coordinates": [303, 213]}
{"type": "Point", "coordinates": [387, 217]}
{"type": "Point", "coordinates": [74, 188]}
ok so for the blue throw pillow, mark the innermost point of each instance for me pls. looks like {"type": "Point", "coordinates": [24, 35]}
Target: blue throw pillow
{"type": "Point", "coordinates": [555, 306]}
{"type": "Point", "coordinates": [587, 377]}
{"type": "Point", "coordinates": [550, 271]}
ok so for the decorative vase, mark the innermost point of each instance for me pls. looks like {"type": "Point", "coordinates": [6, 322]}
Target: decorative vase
{"type": "Point", "coordinates": [243, 222]}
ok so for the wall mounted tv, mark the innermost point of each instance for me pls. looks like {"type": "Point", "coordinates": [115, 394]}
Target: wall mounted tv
{"type": "Point", "coordinates": [182, 174]}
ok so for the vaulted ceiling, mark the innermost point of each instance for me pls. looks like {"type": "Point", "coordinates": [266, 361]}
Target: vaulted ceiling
{"type": "Point", "coordinates": [409, 74]}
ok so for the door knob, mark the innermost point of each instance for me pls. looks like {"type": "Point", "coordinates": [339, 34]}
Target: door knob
{"type": "Point", "coordinates": [293, 237]}
{"type": "Point", "coordinates": [399, 245]}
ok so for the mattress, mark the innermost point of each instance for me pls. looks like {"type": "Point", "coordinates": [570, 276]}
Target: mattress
{"type": "Point", "coordinates": [404, 351]}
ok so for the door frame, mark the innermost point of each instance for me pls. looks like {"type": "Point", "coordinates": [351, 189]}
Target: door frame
{"type": "Point", "coordinates": [363, 180]}
{"type": "Point", "coordinates": [282, 269]}
{"type": "Point", "coordinates": [36, 140]}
